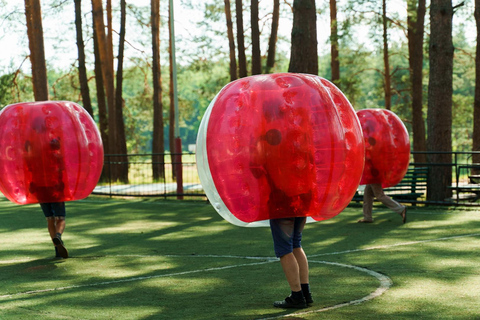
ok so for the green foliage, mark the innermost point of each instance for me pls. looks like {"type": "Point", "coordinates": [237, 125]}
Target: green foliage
{"type": "Point", "coordinates": [6, 81]}
{"type": "Point", "coordinates": [203, 64]}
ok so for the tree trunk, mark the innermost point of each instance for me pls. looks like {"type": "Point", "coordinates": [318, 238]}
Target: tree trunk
{"type": "Point", "coordinates": [102, 107]}
{"type": "Point", "coordinates": [440, 99]}
{"type": "Point", "coordinates": [171, 94]}
{"type": "Point", "coordinates": [157, 141]}
{"type": "Point", "coordinates": [304, 55]}
{"type": "Point", "coordinates": [242, 59]}
{"type": "Point", "coordinates": [386, 62]}
{"type": "Point", "coordinates": [476, 101]}
{"type": "Point", "coordinates": [33, 14]}
{"type": "Point", "coordinates": [107, 78]}
{"type": "Point", "coordinates": [335, 62]}
{"type": "Point", "coordinates": [82, 70]}
{"type": "Point", "coordinates": [109, 81]}
{"type": "Point", "coordinates": [121, 139]}
{"type": "Point", "coordinates": [231, 41]}
{"type": "Point", "coordinates": [256, 57]}
{"type": "Point", "coordinates": [415, 23]}
{"type": "Point", "coordinates": [272, 42]}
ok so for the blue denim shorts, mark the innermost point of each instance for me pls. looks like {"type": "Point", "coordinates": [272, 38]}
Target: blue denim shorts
{"type": "Point", "coordinates": [287, 234]}
{"type": "Point", "coordinates": [53, 209]}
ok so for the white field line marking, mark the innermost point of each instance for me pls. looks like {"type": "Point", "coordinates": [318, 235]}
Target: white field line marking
{"type": "Point", "coordinates": [324, 254]}
{"type": "Point", "coordinates": [385, 284]}
{"type": "Point", "coordinates": [134, 279]}
{"type": "Point", "coordinates": [394, 245]}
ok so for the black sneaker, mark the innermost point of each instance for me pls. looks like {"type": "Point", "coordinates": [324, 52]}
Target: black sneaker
{"type": "Point", "coordinates": [60, 248]}
{"type": "Point", "coordinates": [308, 298]}
{"type": "Point", "coordinates": [289, 302]}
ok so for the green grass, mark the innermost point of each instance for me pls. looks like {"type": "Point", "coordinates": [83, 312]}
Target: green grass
{"type": "Point", "coordinates": [181, 260]}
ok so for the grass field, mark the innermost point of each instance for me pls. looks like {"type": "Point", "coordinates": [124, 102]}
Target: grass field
{"type": "Point", "coordinates": [181, 260]}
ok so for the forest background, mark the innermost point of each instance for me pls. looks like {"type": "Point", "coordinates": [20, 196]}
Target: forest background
{"type": "Point", "coordinates": [371, 43]}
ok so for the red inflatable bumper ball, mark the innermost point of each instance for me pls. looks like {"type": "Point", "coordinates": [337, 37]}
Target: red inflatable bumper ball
{"type": "Point", "coordinates": [387, 147]}
{"type": "Point", "coordinates": [50, 151]}
{"type": "Point", "coordinates": [279, 145]}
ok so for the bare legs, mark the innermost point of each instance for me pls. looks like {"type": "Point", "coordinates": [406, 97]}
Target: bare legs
{"type": "Point", "coordinates": [55, 225]}
{"type": "Point", "coordinates": [295, 267]}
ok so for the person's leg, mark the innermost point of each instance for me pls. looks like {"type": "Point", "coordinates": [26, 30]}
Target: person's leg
{"type": "Point", "coordinates": [291, 269]}
{"type": "Point", "coordinates": [367, 204]}
{"type": "Point", "coordinates": [282, 233]}
{"type": "Point", "coordinates": [301, 259]}
{"type": "Point", "coordinates": [49, 215]}
{"type": "Point", "coordinates": [59, 225]}
{"type": "Point", "coordinates": [389, 202]}
{"type": "Point", "coordinates": [56, 225]}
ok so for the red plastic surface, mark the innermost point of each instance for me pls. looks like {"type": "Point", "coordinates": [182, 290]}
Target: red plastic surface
{"type": "Point", "coordinates": [283, 145]}
{"type": "Point", "coordinates": [50, 151]}
{"type": "Point", "coordinates": [387, 147]}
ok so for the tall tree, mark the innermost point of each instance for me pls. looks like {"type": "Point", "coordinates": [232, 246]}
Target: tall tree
{"type": "Point", "coordinates": [33, 14]}
{"type": "Point", "coordinates": [231, 41]}
{"type": "Point", "coordinates": [82, 70]}
{"type": "Point", "coordinates": [107, 75]}
{"type": "Point", "coordinates": [415, 30]}
{"type": "Point", "coordinates": [439, 120]}
{"type": "Point", "coordinates": [272, 42]}
{"type": "Point", "coordinates": [110, 86]}
{"type": "Point", "coordinates": [476, 101]}
{"type": "Point", "coordinates": [171, 94]}
{"type": "Point", "coordinates": [334, 54]}
{"type": "Point", "coordinates": [157, 143]}
{"type": "Point", "coordinates": [119, 124]}
{"type": "Point", "coordinates": [101, 102]}
{"type": "Point", "coordinates": [256, 56]}
{"type": "Point", "coordinates": [386, 61]}
{"type": "Point", "coordinates": [304, 54]}
{"type": "Point", "coordinates": [242, 59]}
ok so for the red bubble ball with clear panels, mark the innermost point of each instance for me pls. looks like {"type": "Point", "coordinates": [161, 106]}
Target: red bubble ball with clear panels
{"type": "Point", "coordinates": [387, 147]}
{"type": "Point", "coordinates": [50, 151]}
{"type": "Point", "coordinates": [279, 145]}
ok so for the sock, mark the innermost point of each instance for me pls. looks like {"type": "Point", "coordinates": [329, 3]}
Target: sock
{"type": "Point", "coordinates": [59, 235]}
{"type": "Point", "coordinates": [305, 288]}
{"type": "Point", "coordinates": [297, 295]}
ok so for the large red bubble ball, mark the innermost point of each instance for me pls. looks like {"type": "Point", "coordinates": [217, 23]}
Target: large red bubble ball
{"type": "Point", "coordinates": [277, 146]}
{"type": "Point", "coordinates": [50, 151]}
{"type": "Point", "coordinates": [387, 147]}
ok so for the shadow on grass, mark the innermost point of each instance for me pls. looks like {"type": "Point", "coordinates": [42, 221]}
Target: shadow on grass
{"type": "Point", "coordinates": [169, 259]}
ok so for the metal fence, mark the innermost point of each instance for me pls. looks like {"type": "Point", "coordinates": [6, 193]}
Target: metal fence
{"type": "Point", "coordinates": [141, 183]}
{"type": "Point", "coordinates": [140, 176]}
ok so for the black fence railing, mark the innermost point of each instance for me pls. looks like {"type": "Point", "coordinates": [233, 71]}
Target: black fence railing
{"type": "Point", "coordinates": [179, 178]}
{"type": "Point", "coordinates": [465, 187]}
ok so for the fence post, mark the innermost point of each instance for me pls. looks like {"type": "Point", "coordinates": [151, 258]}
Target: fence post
{"type": "Point", "coordinates": [179, 167]}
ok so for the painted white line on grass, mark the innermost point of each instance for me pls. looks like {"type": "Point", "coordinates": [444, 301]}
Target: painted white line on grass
{"type": "Point", "coordinates": [133, 279]}
{"type": "Point", "coordinates": [385, 284]}
{"type": "Point", "coordinates": [394, 245]}
{"type": "Point", "coordinates": [321, 254]}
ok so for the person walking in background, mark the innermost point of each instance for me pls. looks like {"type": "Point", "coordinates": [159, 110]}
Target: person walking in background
{"type": "Point", "coordinates": [287, 237]}
{"type": "Point", "coordinates": [375, 190]}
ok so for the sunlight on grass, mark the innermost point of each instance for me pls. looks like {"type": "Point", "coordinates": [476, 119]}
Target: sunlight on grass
{"type": "Point", "coordinates": [176, 260]}
{"type": "Point", "coordinates": [135, 227]}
